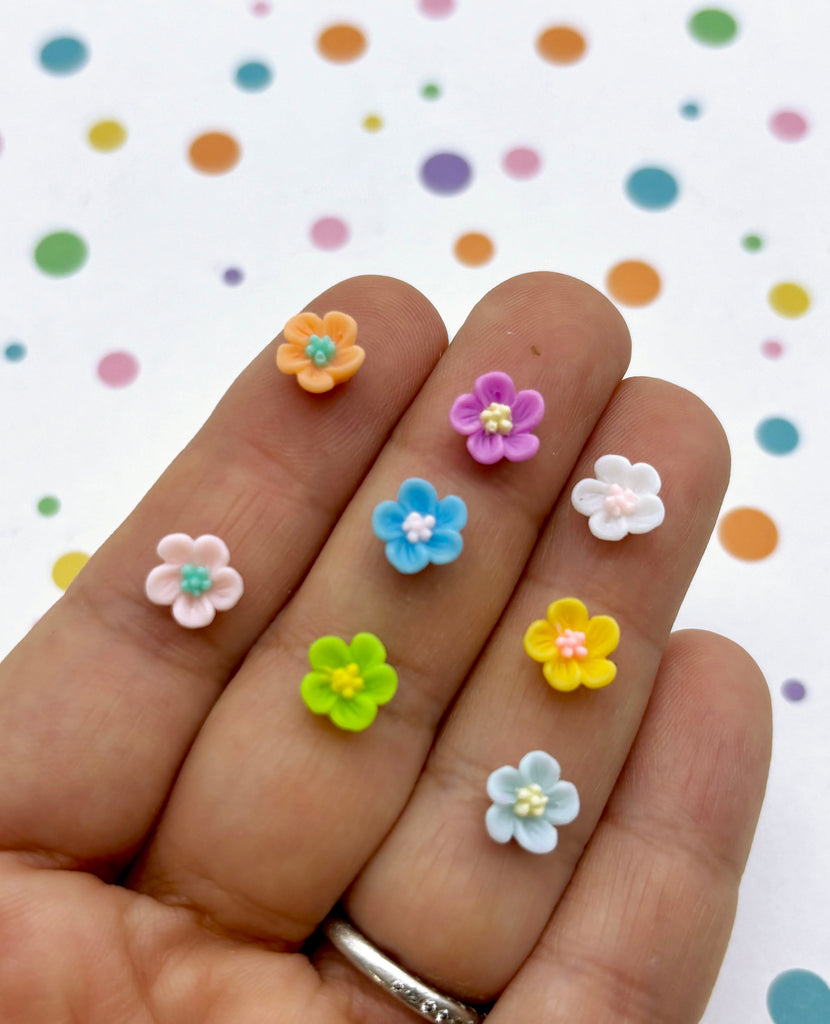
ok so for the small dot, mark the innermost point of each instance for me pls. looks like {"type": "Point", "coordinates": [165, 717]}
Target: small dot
{"type": "Point", "coordinates": [341, 43]}
{"type": "Point", "coordinates": [561, 44]}
{"type": "Point", "coordinates": [652, 188]}
{"type": "Point", "coordinates": [15, 351]}
{"type": "Point", "coordinates": [67, 567]}
{"type": "Point", "coordinates": [748, 534]}
{"type": "Point", "coordinates": [473, 249]}
{"type": "Point", "coordinates": [117, 369]}
{"type": "Point", "coordinates": [48, 505]}
{"type": "Point", "coordinates": [253, 76]}
{"type": "Point", "coordinates": [713, 27]}
{"type": "Point", "coordinates": [793, 689]}
{"type": "Point", "coordinates": [260, 9]}
{"type": "Point", "coordinates": [437, 8]}
{"type": "Point", "coordinates": [777, 435]}
{"type": "Point", "coordinates": [690, 111]}
{"type": "Point", "coordinates": [64, 56]}
{"type": "Point", "coordinates": [329, 233]}
{"type": "Point", "coordinates": [633, 282]}
{"type": "Point", "coordinates": [372, 122]}
{"type": "Point", "coordinates": [788, 125]}
{"type": "Point", "coordinates": [61, 253]}
{"type": "Point", "coordinates": [107, 136]}
{"type": "Point", "coordinates": [789, 299]}
{"type": "Point", "coordinates": [446, 173]}
{"type": "Point", "coordinates": [431, 91]}
{"type": "Point", "coordinates": [772, 348]}
{"type": "Point", "coordinates": [752, 243]}
{"type": "Point", "coordinates": [233, 275]}
{"type": "Point", "coordinates": [1, 143]}
{"type": "Point", "coordinates": [521, 162]}
{"type": "Point", "coordinates": [799, 997]}
{"type": "Point", "coordinates": [214, 153]}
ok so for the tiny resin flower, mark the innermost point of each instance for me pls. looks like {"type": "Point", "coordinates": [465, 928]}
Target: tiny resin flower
{"type": "Point", "coordinates": [529, 801]}
{"type": "Point", "coordinates": [497, 421]}
{"type": "Point", "coordinates": [572, 648]}
{"type": "Point", "coordinates": [348, 681]}
{"type": "Point", "coordinates": [621, 500]}
{"type": "Point", "coordinates": [321, 353]}
{"type": "Point", "coordinates": [418, 528]}
{"type": "Point", "coordinates": [195, 579]}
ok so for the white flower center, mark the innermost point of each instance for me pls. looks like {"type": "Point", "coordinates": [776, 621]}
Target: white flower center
{"type": "Point", "coordinates": [417, 527]}
{"type": "Point", "coordinates": [496, 418]}
{"type": "Point", "coordinates": [620, 501]}
{"type": "Point", "coordinates": [571, 644]}
{"type": "Point", "coordinates": [530, 801]}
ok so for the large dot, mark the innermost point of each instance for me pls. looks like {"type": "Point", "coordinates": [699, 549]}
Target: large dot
{"type": "Point", "coordinates": [748, 534]}
{"type": "Point", "coordinates": [106, 136]}
{"type": "Point", "coordinates": [214, 153]}
{"type": "Point", "coordinates": [633, 282]}
{"type": "Point", "coordinates": [777, 435]}
{"type": "Point", "coordinates": [793, 690]}
{"type": "Point", "coordinates": [789, 299]}
{"type": "Point", "coordinates": [788, 125]}
{"type": "Point", "coordinates": [521, 162]}
{"type": "Point", "coordinates": [561, 44]}
{"type": "Point", "coordinates": [329, 233]}
{"type": "Point", "coordinates": [446, 173]}
{"type": "Point", "coordinates": [437, 8]}
{"type": "Point", "coordinates": [117, 369]}
{"type": "Point", "coordinates": [341, 43]}
{"type": "Point", "coordinates": [15, 351]}
{"type": "Point", "coordinates": [253, 76]}
{"type": "Point", "coordinates": [473, 249]}
{"type": "Point", "coordinates": [713, 26]}
{"type": "Point", "coordinates": [64, 55]}
{"type": "Point", "coordinates": [652, 188]}
{"type": "Point", "coordinates": [799, 997]}
{"type": "Point", "coordinates": [60, 253]}
{"type": "Point", "coordinates": [67, 567]}
{"type": "Point", "coordinates": [48, 505]}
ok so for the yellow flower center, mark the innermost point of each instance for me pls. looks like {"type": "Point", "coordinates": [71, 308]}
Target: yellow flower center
{"type": "Point", "coordinates": [530, 801]}
{"type": "Point", "coordinates": [571, 644]}
{"type": "Point", "coordinates": [496, 418]}
{"type": "Point", "coordinates": [347, 681]}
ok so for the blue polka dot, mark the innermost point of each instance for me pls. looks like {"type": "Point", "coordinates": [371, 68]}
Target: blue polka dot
{"type": "Point", "coordinates": [777, 435]}
{"type": "Point", "coordinates": [15, 351]}
{"type": "Point", "coordinates": [253, 76]}
{"type": "Point", "coordinates": [799, 997]}
{"type": "Point", "coordinates": [64, 56]}
{"type": "Point", "coordinates": [690, 111]}
{"type": "Point", "coordinates": [652, 188]}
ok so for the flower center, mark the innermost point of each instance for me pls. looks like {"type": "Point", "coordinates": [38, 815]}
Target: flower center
{"type": "Point", "coordinates": [347, 681]}
{"type": "Point", "coordinates": [195, 580]}
{"type": "Point", "coordinates": [620, 501]}
{"type": "Point", "coordinates": [530, 801]}
{"type": "Point", "coordinates": [496, 418]}
{"type": "Point", "coordinates": [571, 644]}
{"type": "Point", "coordinates": [418, 527]}
{"type": "Point", "coordinates": [320, 351]}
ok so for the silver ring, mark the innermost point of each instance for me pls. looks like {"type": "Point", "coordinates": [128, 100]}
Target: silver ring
{"type": "Point", "coordinates": [405, 987]}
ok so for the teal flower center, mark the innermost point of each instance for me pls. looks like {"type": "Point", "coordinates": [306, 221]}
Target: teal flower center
{"type": "Point", "coordinates": [195, 580]}
{"type": "Point", "coordinates": [530, 801]}
{"type": "Point", "coordinates": [320, 351]}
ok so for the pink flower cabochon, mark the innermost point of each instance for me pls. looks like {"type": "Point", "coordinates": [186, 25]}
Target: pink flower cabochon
{"type": "Point", "coordinates": [497, 420]}
{"type": "Point", "coordinates": [195, 579]}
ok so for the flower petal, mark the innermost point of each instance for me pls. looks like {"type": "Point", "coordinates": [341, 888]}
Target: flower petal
{"type": "Point", "coordinates": [226, 590]}
{"type": "Point", "coordinates": [341, 328]}
{"type": "Point", "coordinates": [380, 683]}
{"type": "Point", "coordinates": [300, 328]}
{"type": "Point", "coordinates": [648, 515]}
{"type": "Point", "coordinates": [520, 447]}
{"type": "Point", "coordinates": [356, 714]}
{"type": "Point", "coordinates": [292, 358]}
{"type": "Point", "coordinates": [597, 672]}
{"type": "Point", "coordinates": [444, 546]}
{"type": "Point", "coordinates": [465, 414]}
{"type": "Point", "coordinates": [211, 552]}
{"type": "Point", "coordinates": [503, 783]}
{"type": "Point", "coordinates": [193, 612]}
{"type": "Point", "coordinates": [315, 379]}
{"type": "Point", "coordinates": [451, 513]}
{"type": "Point", "coordinates": [539, 767]}
{"type": "Point", "coordinates": [346, 364]}
{"type": "Point", "coordinates": [164, 584]}
{"type": "Point", "coordinates": [644, 479]}
{"type": "Point", "coordinates": [494, 387]}
{"type": "Point", "coordinates": [317, 693]}
{"type": "Point", "coordinates": [176, 548]}
{"type": "Point", "coordinates": [601, 636]}
{"type": "Point", "coordinates": [367, 651]}
{"type": "Point", "coordinates": [613, 469]}
{"type": "Point", "coordinates": [562, 673]}
{"type": "Point", "coordinates": [407, 558]}
{"type": "Point", "coordinates": [563, 804]}
{"type": "Point", "coordinates": [588, 496]}
{"type": "Point", "coordinates": [416, 495]}
{"type": "Point", "coordinates": [540, 640]}
{"type": "Point", "coordinates": [500, 822]}
{"type": "Point", "coordinates": [527, 411]}
{"type": "Point", "coordinates": [387, 520]}
{"type": "Point", "coordinates": [329, 652]}
{"type": "Point", "coordinates": [605, 527]}
{"type": "Point", "coordinates": [487, 449]}
{"type": "Point", "coordinates": [535, 834]}
{"type": "Point", "coordinates": [568, 613]}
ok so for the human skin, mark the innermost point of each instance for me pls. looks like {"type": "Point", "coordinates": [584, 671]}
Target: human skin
{"type": "Point", "coordinates": [175, 824]}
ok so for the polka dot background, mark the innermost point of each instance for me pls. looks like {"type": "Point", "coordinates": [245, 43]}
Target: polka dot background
{"type": "Point", "coordinates": [146, 259]}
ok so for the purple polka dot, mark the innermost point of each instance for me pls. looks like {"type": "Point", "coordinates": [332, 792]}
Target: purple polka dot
{"type": "Point", "coordinates": [118, 369]}
{"type": "Point", "coordinates": [772, 349]}
{"type": "Point", "coordinates": [329, 233]}
{"type": "Point", "coordinates": [793, 689]}
{"type": "Point", "coordinates": [521, 162]}
{"type": "Point", "coordinates": [437, 8]}
{"type": "Point", "coordinates": [788, 125]}
{"type": "Point", "coordinates": [233, 275]}
{"type": "Point", "coordinates": [446, 173]}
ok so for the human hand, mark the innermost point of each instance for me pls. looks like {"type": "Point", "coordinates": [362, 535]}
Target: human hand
{"type": "Point", "coordinates": [175, 822]}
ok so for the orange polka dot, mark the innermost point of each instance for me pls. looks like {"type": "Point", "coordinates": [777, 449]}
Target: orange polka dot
{"type": "Point", "coordinates": [633, 283]}
{"type": "Point", "coordinates": [341, 43]}
{"type": "Point", "coordinates": [748, 533]}
{"type": "Point", "coordinates": [474, 249]}
{"type": "Point", "coordinates": [214, 153]}
{"type": "Point", "coordinates": [561, 44]}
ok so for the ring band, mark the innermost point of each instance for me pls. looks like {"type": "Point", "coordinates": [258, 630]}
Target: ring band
{"type": "Point", "coordinates": [405, 987]}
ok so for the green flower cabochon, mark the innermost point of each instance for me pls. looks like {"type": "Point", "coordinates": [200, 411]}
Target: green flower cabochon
{"type": "Point", "coordinates": [349, 681]}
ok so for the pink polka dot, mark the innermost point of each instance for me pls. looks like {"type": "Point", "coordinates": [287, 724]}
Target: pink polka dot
{"type": "Point", "coordinates": [788, 125]}
{"type": "Point", "coordinates": [329, 233]}
{"type": "Point", "coordinates": [772, 349]}
{"type": "Point", "coordinates": [437, 8]}
{"type": "Point", "coordinates": [260, 8]}
{"type": "Point", "coordinates": [118, 369]}
{"type": "Point", "coordinates": [521, 162]}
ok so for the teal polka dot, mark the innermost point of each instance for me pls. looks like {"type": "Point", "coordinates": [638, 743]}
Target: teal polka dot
{"type": "Point", "coordinates": [652, 188]}
{"type": "Point", "coordinates": [253, 76]}
{"type": "Point", "coordinates": [690, 111]}
{"type": "Point", "coordinates": [777, 435]}
{"type": "Point", "coordinates": [64, 56]}
{"type": "Point", "coordinates": [799, 997]}
{"type": "Point", "coordinates": [15, 351]}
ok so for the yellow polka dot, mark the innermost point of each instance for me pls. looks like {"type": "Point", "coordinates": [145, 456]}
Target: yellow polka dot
{"type": "Point", "coordinates": [106, 136]}
{"type": "Point", "coordinates": [372, 123]}
{"type": "Point", "coordinates": [789, 299]}
{"type": "Point", "coordinates": [67, 567]}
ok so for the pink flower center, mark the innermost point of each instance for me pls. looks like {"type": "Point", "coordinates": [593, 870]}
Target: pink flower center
{"type": "Point", "coordinates": [620, 501]}
{"type": "Point", "coordinates": [497, 418]}
{"type": "Point", "coordinates": [571, 644]}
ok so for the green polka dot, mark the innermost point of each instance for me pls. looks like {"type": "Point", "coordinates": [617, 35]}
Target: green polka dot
{"type": "Point", "coordinates": [752, 243]}
{"type": "Point", "coordinates": [48, 505]}
{"type": "Point", "coordinates": [713, 27]}
{"type": "Point", "coordinates": [61, 253]}
{"type": "Point", "coordinates": [431, 91]}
